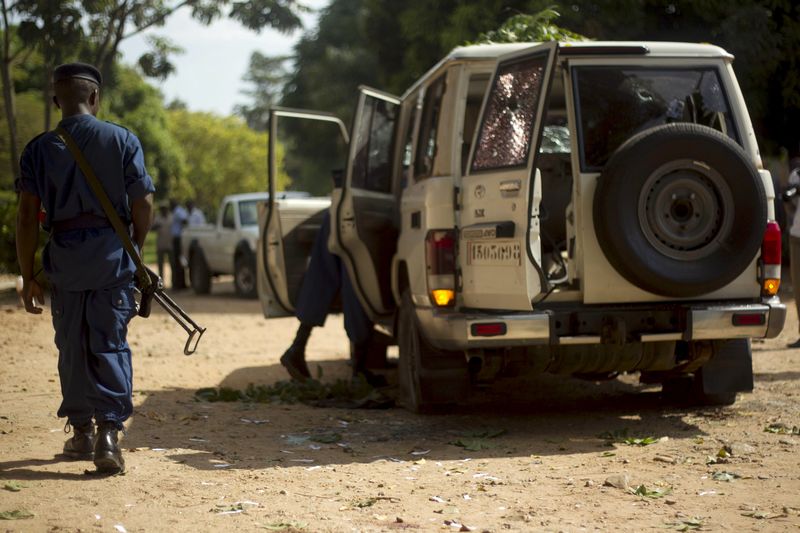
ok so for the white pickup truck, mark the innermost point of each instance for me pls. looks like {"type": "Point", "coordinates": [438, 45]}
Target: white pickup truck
{"type": "Point", "coordinates": [228, 247]}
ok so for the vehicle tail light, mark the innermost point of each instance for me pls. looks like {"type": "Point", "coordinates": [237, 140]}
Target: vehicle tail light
{"type": "Point", "coordinates": [771, 259]}
{"type": "Point", "coordinates": [749, 319]}
{"type": "Point", "coordinates": [440, 256]}
{"type": "Point", "coordinates": [488, 329]}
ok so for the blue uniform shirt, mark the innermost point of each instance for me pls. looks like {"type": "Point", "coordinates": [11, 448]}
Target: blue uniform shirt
{"type": "Point", "coordinates": [89, 258]}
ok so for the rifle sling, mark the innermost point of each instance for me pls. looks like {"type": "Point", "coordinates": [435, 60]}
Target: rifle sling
{"type": "Point", "coordinates": [108, 207]}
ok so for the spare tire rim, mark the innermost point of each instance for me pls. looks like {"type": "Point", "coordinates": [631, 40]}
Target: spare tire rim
{"type": "Point", "coordinates": [686, 210]}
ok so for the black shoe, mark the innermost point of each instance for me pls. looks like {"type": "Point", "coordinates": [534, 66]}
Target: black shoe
{"type": "Point", "coordinates": [376, 381]}
{"type": "Point", "coordinates": [294, 361]}
{"type": "Point", "coordinates": [81, 444]}
{"type": "Point", "coordinates": [107, 455]}
{"type": "Point", "coordinates": [795, 344]}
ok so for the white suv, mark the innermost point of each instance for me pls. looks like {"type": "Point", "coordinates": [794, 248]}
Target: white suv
{"type": "Point", "coordinates": [585, 208]}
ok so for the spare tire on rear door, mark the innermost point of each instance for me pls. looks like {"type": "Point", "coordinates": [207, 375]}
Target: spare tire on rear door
{"type": "Point", "coordinates": [680, 210]}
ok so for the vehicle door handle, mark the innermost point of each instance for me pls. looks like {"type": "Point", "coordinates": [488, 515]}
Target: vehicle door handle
{"type": "Point", "coordinates": [349, 219]}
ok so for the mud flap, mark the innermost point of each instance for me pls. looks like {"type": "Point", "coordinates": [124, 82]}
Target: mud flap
{"type": "Point", "coordinates": [730, 368]}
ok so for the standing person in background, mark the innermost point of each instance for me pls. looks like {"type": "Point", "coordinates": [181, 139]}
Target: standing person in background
{"type": "Point", "coordinates": [196, 217]}
{"type": "Point", "coordinates": [162, 224]}
{"type": "Point", "coordinates": [179, 219]}
{"type": "Point", "coordinates": [89, 270]}
{"type": "Point", "coordinates": [791, 194]}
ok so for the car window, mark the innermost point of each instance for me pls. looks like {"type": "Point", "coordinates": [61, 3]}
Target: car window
{"type": "Point", "coordinates": [476, 89]}
{"type": "Point", "coordinates": [372, 169]}
{"type": "Point", "coordinates": [426, 142]}
{"type": "Point", "coordinates": [506, 132]}
{"type": "Point", "coordinates": [614, 103]}
{"type": "Point", "coordinates": [228, 217]}
{"type": "Point", "coordinates": [248, 213]}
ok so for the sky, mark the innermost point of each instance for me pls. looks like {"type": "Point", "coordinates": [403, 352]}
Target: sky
{"type": "Point", "coordinates": [215, 58]}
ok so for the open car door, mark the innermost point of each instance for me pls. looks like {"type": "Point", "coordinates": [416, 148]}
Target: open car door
{"type": "Point", "coordinates": [499, 242]}
{"type": "Point", "coordinates": [363, 211]}
{"type": "Point", "coordinates": [288, 224]}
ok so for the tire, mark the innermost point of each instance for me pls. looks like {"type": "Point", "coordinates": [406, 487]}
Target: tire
{"type": "Point", "coordinates": [680, 210]}
{"type": "Point", "coordinates": [199, 275]}
{"type": "Point", "coordinates": [688, 390]}
{"type": "Point", "coordinates": [244, 276]}
{"type": "Point", "coordinates": [429, 378]}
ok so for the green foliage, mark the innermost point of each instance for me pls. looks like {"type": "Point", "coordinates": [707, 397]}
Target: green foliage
{"type": "Point", "coordinates": [138, 106]}
{"type": "Point", "coordinates": [30, 118]}
{"type": "Point", "coordinates": [221, 156]}
{"type": "Point", "coordinates": [522, 28]}
{"type": "Point", "coordinates": [266, 76]}
{"type": "Point", "coordinates": [8, 223]}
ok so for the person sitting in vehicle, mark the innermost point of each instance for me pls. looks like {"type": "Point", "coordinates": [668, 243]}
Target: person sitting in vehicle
{"type": "Point", "coordinates": [325, 278]}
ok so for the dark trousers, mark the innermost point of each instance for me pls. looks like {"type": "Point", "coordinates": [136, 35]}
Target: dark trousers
{"type": "Point", "coordinates": [325, 278]}
{"type": "Point", "coordinates": [94, 359]}
{"type": "Point", "coordinates": [178, 279]}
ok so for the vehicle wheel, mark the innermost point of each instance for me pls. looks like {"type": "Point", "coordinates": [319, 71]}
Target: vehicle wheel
{"type": "Point", "coordinates": [429, 378]}
{"type": "Point", "coordinates": [244, 276]}
{"type": "Point", "coordinates": [199, 276]}
{"type": "Point", "coordinates": [688, 390]}
{"type": "Point", "coordinates": [680, 210]}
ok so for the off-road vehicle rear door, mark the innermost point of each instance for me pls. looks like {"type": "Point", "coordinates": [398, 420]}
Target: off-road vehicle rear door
{"type": "Point", "coordinates": [363, 226]}
{"type": "Point", "coordinates": [499, 241]}
{"type": "Point", "coordinates": [288, 227]}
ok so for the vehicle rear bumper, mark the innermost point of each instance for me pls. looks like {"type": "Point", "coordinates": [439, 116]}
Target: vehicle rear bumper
{"type": "Point", "coordinates": [456, 331]}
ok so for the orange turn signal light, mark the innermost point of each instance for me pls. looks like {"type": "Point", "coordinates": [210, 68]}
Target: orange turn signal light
{"type": "Point", "coordinates": [770, 286]}
{"type": "Point", "coordinates": [443, 297]}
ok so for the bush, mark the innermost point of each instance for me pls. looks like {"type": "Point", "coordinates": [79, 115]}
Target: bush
{"type": "Point", "coordinates": [8, 224]}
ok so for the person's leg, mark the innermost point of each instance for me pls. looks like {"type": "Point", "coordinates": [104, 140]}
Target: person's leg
{"type": "Point", "coordinates": [160, 256]}
{"type": "Point", "coordinates": [317, 292]}
{"type": "Point", "coordinates": [108, 312]}
{"type": "Point", "coordinates": [70, 337]}
{"type": "Point", "coordinates": [794, 258]}
{"type": "Point", "coordinates": [178, 281]}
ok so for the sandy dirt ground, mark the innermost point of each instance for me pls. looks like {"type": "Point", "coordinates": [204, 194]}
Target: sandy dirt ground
{"type": "Point", "coordinates": [537, 455]}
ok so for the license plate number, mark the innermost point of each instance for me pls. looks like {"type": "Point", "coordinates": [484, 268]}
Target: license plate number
{"type": "Point", "coordinates": [495, 253]}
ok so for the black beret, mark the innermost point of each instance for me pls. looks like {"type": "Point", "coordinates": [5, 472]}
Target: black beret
{"type": "Point", "coordinates": [82, 71]}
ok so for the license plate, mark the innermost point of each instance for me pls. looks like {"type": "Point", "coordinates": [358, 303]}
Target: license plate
{"type": "Point", "coordinates": [495, 253]}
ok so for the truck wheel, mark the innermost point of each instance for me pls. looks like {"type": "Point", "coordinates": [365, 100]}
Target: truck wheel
{"type": "Point", "coordinates": [680, 210]}
{"type": "Point", "coordinates": [429, 378]}
{"type": "Point", "coordinates": [199, 276]}
{"type": "Point", "coordinates": [244, 276]}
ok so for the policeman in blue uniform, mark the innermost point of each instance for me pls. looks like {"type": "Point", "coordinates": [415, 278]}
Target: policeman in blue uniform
{"type": "Point", "coordinates": [325, 278]}
{"type": "Point", "coordinates": [90, 273]}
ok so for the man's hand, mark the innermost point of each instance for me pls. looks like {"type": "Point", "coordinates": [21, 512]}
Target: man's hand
{"type": "Point", "coordinates": [32, 294]}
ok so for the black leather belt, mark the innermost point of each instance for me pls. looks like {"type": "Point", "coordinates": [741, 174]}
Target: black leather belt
{"type": "Point", "coordinates": [82, 221]}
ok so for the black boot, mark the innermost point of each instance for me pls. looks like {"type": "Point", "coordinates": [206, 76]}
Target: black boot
{"type": "Point", "coordinates": [107, 455]}
{"type": "Point", "coordinates": [360, 352]}
{"type": "Point", "coordinates": [81, 444]}
{"type": "Point", "coordinates": [294, 359]}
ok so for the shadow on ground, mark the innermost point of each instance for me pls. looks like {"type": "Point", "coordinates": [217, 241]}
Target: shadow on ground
{"type": "Point", "coordinates": [539, 416]}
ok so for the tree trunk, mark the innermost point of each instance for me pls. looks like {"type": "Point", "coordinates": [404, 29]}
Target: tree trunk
{"type": "Point", "coordinates": [8, 94]}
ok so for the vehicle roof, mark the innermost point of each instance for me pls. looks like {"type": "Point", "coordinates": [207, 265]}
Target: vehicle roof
{"type": "Point", "coordinates": [247, 196]}
{"type": "Point", "coordinates": [591, 48]}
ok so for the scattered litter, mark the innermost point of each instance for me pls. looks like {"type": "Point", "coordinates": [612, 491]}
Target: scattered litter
{"type": "Point", "coordinates": [665, 459]}
{"type": "Point", "coordinates": [207, 483]}
{"type": "Point", "coordinates": [310, 468]}
{"type": "Point", "coordinates": [657, 492]}
{"type": "Point", "coordinates": [232, 511]}
{"type": "Point", "coordinates": [763, 515]}
{"type": "Point", "coordinates": [286, 451]}
{"type": "Point", "coordinates": [484, 475]}
{"type": "Point", "coordinates": [256, 422]}
{"type": "Point", "coordinates": [458, 526]}
{"type": "Point", "coordinates": [706, 492]}
{"type": "Point", "coordinates": [197, 439]}
{"type": "Point", "coordinates": [286, 526]}
{"type": "Point", "coordinates": [97, 517]}
{"type": "Point", "coordinates": [466, 496]}
{"type": "Point", "coordinates": [420, 452]}
{"type": "Point", "coordinates": [782, 429]}
{"type": "Point", "coordinates": [437, 499]}
{"type": "Point", "coordinates": [120, 528]}
{"type": "Point", "coordinates": [315, 447]}
{"type": "Point", "coordinates": [158, 449]}
{"type": "Point", "coordinates": [326, 438]}
{"type": "Point", "coordinates": [302, 460]}
{"type": "Point", "coordinates": [222, 465]}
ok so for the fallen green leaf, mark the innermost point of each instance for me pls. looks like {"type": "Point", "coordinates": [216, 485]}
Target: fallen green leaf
{"type": "Point", "coordinates": [286, 526]}
{"type": "Point", "coordinates": [724, 476]}
{"type": "Point", "coordinates": [643, 441]}
{"type": "Point", "coordinates": [326, 438]}
{"type": "Point", "coordinates": [13, 486]}
{"type": "Point", "coordinates": [657, 492]}
{"type": "Point", "coordinates": [607, 454]}
{"type": "Point", "coordinates": [472, 445]}
{"type": "Point", "coordinates": [367, 502]}
{"type": "Point", "coordinates": [16, 514]}
{"type": "Point", "coordinates": [782, 429]}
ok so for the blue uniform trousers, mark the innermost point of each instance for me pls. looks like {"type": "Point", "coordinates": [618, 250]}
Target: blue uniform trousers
{"type": "Point", "coordinates": [326, 276]}
{"type": "Point", "coordinates": [94, 360]}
